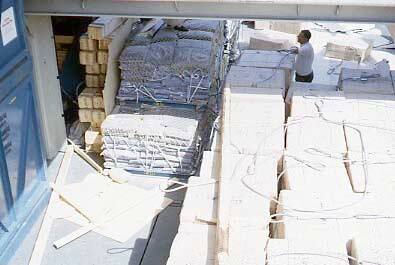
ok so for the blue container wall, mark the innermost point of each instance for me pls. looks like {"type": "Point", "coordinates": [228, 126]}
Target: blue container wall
{"type": "Point", "coordinates": [23, 186]}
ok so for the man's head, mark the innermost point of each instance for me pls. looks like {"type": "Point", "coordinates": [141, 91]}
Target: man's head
{"type": "Point", "coordinates": [304, 36]}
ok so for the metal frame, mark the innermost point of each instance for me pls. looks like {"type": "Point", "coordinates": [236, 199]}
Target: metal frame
{"type": "Point", "coordinates": [318, 10]}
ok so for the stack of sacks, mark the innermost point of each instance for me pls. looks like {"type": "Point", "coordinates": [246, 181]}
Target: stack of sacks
{"type": "Point", "coordinates": [172, 66]}
{"type": "Point", "coordinates": [157, 140]}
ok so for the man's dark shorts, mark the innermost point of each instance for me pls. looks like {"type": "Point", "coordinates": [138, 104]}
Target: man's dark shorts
{"type": "Point", "coordinates": [304, 78]}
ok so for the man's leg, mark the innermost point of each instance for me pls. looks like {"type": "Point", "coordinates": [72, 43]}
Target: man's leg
{"type": "Point", "coordinates": [299, 78]}
{"type": "Point", "coordinates": [310, 77]}
{"type": "Point", "coordinates": [306, 79]}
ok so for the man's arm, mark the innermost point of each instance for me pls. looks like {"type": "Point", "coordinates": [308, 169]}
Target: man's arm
{"type": "Point", "coordinates": [294, 50]}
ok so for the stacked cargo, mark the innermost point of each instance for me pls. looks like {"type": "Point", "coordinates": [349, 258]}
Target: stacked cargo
{"type": "Point", "coordinates": [172, 66]}
{"type": "Point", "coordinates": [338, 180]}
{"type": "Point", "coordinates": [155, 140]}
{"type": "Point", "coordinates": [246, 169]}
{"type": "Point", "coordinates": [162, 65]}
{"type": "Point", "coordinates": [94, 55]}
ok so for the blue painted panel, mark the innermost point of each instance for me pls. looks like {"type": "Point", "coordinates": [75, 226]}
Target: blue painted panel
{"type": "Point", "coordinates": [16, 50]}
{"type": "Point", "coordinates": [22, 159]}
{"type": "Point", "coordinates": [23, 187]}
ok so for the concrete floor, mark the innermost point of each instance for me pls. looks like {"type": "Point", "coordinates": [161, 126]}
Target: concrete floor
{"type": "Point", "coordinates": [150, 246]}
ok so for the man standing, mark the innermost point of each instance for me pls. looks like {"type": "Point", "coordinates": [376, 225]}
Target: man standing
{"type": "Point", "coordinates": [304, 58]}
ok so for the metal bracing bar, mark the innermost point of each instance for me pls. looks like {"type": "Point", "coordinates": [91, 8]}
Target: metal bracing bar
{"type": "Point", "coordinates": [318, 10]}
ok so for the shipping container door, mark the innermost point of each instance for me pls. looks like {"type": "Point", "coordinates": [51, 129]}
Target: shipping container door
{"type": "Point", "coordinates": [23, 186]}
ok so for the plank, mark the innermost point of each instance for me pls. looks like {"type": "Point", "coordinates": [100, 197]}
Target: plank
{"type": "Point", "coordinates": [377, 174]}
{"type": "Point", "coordinates": [98, 116]}
{"type": "Point", "coordinates": [272, 60]}
{"type": "Point", "coordinates": [353, 81]}
{"type": "Point", "coordinates": [103, 44]}
{"type": "Point", "coordinates": [93, 140]}
{"type": "Point", "coordinates": [267, 44]}
{"type": "Point", "coordinates": [258, 118]}
{"type": "Point", "coordinates": [309, 173]}
{"type": "Point", "coordinates": [223, 181]}
{"type": "Point", "coordinates": [348, 48]}
{"type": "Point", "coordinates": [92, 69]}
{"type": "Point", "coordinates": [97, 101]}
{"type": "Point", "coordinates": [103, 26]}
{"type": "Point", "coordinates": [370, 108]}
{"type": "Point", "coordinates": [88, 44]}
{"type": "Point", "coordinates": [198, 241]}
{"type": "Point", "coordinates": [87, 158]}
{"type": "Point", "coordinates": [121, 228]}
{"type": "Point", "coordinates": [102, 57]}
{"type": "Point", "coordinates": [247, 183]}
{"type": "Point", "coordinates": [103, 68]}
{"type": "Point", "coordinates": [153, 26]}
{"type": "Point", "coordinates": [377, 246]}
{"type": "Point", "coordinates": [308, 99]}
{"type": "Point", "coordinates": [210, 167]}
{"type": "Point", "coordinates": [200, 203]}
{"type": "Point", "coordinates": [266, 59]}
{"type": "Point", "coordinates": [298, 252]}
{"type": "Point", "coordinates": [46, 225]}
{"type": "Point", "coordinates": [286, 26]}
{"type": "Point", "coordinates": [328, 215]}
{"type": "Point", "coordinates": [247, 244]}
{"type": "Point", "coordinates": [112, 208]}
{"type": "Point", "coordinates": [240, 76]}
{"type": "Point", "coordinates": [88, 57]}
{"type": "Point", "coordinates": [261, 24]}
{"type": "Point", "coordinates": [306, 134]}
{"type": "Point", "coordinates": [87, 97]}
{"type": "Point", "coordinates": [252, 184]}
{"type": "Point", "coordinates": [95, 80]}
{"type": "Point", "coordinates": [85, 115]}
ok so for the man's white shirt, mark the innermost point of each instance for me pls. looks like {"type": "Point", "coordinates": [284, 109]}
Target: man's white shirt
{"type": "Point", "coordinates": [304, 59]}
